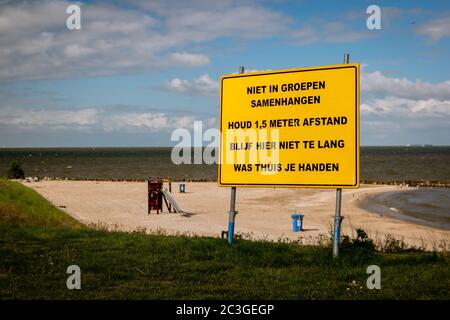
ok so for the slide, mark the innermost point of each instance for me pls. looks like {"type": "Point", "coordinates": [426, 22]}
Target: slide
{"type": "Point", "coordinates": [172, 201]}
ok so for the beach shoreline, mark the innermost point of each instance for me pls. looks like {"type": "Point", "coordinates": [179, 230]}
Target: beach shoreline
{"type": "Point", "coordinates": [264, 213]}
{"type": "Point", "coordinates": [402, 183]}
{"type": "Point", "coordinates": [413, 205]}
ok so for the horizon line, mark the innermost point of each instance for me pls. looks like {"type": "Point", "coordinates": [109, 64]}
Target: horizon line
{"type": "Point", "coordinates": [110, 147]}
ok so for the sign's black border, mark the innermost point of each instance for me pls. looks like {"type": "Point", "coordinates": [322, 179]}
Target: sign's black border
{"type": "Point", "coordinates": [294, 184]}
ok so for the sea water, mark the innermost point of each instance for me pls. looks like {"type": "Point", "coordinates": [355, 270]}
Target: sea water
{"type": "Point", "coordinates": [384, 164]}
{"type": "Point", "coordinates": [426, 206]}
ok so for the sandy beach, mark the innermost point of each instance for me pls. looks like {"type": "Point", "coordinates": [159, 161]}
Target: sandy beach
{"type": "Point", "coordinates": [264, 213]}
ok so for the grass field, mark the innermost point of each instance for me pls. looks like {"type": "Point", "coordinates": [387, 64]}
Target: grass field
{"type": "Point", "coordinates": [38, 242]}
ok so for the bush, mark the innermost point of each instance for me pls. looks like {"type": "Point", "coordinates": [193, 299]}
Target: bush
{"type": "Point", "coordinates": [360, 248]}
{"type": "Point", "coordinates": [362, 240]}
{"type": "Point", "coordinates": [15, 171]}
{"type": "Point", "coordinates": [392, 245]}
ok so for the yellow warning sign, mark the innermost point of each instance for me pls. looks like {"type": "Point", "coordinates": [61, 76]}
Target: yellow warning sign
{"type": "Point", "coordinates": [291, 128]}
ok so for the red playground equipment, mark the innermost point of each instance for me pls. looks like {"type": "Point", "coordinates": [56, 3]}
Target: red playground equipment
{"type": "Point", "coordinates": [156, 195]}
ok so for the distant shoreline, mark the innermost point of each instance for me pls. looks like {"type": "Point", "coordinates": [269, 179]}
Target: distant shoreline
{"type": "Point", "coordinates": [170, 147]}
{"type": "Point", "coordinates": [407, 183]}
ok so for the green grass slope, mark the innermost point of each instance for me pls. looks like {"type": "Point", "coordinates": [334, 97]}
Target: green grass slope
{"type": "Point", "coordinates": [38, 242]}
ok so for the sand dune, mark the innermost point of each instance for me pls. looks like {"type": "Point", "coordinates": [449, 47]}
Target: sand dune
{"type": "Point", "coordinates": [264, 213]}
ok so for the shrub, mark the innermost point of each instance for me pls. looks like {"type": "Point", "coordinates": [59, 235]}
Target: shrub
{"type": "Point", "coordinates": [360, 248]}
{"type": "Point", "coordinates": [393, 245]}
{"type": "Point", "coordinates": [15, 171]}
{"type": "Point", "coordinates": [362, 240]}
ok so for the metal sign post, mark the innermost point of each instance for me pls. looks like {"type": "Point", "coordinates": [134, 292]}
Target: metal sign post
{"type": "Point", "coordinates": [337, 223]}
{"type": "Point", "coordinates": [233, 212]}
{"type": "Point", "coordinates": [337, 214]}
{"type": "Point", "coordinates": [232, 216]}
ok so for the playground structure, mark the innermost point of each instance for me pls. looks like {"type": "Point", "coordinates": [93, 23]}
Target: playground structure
{"type": "Point", "coordinates": [157, 196]}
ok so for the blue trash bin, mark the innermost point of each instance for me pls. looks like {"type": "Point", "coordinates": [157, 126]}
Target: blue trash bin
{"type": "Point", "coordinates": [297, 222]}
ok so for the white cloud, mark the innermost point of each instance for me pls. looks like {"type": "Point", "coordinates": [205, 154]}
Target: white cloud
{"type": "Point", "coordinates": [241, 21]}
{"type": "Point", "coordinates": [37, 45]}
{"type": "Point", "coordinates": [407, 107]}
{"type": "Point", "coordinates": [147, 121]}
{"type": "Point", "coordinates": [330, 32]}
{"type": "Point", "coordinates": [401, 108]}
{"type": "Point", "coordinates": [107, 120]}
{"type": "Point", "coordinates": [188, 59]}
{"type": "Point", "coordinates": [375, 83]}
{"type": "Point", "coordinates": [77, 51]}
{"type": "Point", "coordinates": [435, 29]}
{"type": "Point", "coordinates": [27, 17]}
{"type": "Point", "coordinates": [384, 95]}
{"type": "Point", "coordinates": [203, 85]}
{"type": "Point", "coordinates": [179, 85]}
{"type": "Point", "coordinates": [150, 121]}
{"type": "Point", "coordinates": [433, 106]}
{"type": "Point", "coordinates": [202, 20]}
{"type": "Point", "coordinates": [305, 35]}
{"type": "Point", "coordinates": [50, 118]}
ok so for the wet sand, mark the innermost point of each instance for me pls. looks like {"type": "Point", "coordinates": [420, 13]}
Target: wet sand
{"type": "Point", "coordinates": [264, 213]}
{"type": "Point", "coordinates": [426, 206]}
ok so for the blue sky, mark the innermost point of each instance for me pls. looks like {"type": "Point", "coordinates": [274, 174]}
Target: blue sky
{"type": "Point", "coordinates": [137, 70]}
